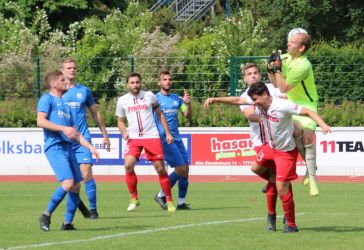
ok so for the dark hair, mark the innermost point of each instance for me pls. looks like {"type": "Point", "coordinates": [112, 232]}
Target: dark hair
{"type": "Point", "coordinates": [248, 66]}
{"type": "Point", "coordinates": [51, 76]}
{"type": "Point", "coordinates": [163, 72]}
{"type": "Point", "coordinates": [133, 74]}
{"type": "Point", "coordinates": [258, 88]}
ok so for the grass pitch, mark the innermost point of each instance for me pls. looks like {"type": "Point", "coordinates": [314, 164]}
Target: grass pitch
{"type": "Point", "coordinates": [224, 216]}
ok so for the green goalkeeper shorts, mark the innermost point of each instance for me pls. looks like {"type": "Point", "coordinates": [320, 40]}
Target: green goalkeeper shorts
{"type": "Point", "coordinates": [305, 121]}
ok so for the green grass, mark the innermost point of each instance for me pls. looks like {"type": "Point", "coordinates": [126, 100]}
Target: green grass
{"type": "Point", "coordinates": [224, 216]}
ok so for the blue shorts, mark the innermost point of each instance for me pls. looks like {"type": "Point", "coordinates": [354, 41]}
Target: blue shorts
{"type": "Point", "coordinates": [83, 155]}
{"type": "Point", "coordinates": [175, 154]}
{"type": "Point", "coordinates": [63, 161]}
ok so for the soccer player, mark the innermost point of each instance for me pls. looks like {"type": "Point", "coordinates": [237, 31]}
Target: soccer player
{"type": "Point", "coordinates": [136, 107]}
{"type": "Point", "coordinates": [295, 78]}
{"type": "Point", "coordinates": [276, 114]}
{"type": "Point", "coordinates": [175, 153]}
{"type": "Point", "coordinates": [79, 98]}
{"type": "Point", "coordinates": [252, 75]}
{"type": "Point", "coordinates": [59, 134]}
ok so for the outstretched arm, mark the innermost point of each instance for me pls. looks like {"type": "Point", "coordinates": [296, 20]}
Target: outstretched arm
{"type": "Point", "coordinates": [314, 116]}
{"type": "Point", "coordinates": [231, 100]}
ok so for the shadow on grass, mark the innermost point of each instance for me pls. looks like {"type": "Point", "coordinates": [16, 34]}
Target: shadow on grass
{"type": "Point", "coordinates": [334, 229]}
{"type": "Point", "coordinates": [125, 228]}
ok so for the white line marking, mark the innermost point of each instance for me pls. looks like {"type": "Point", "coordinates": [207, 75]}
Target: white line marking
{"type": "Point", "coordinates": [120, 235]}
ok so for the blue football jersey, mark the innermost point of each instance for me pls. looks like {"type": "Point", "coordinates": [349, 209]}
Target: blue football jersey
{"type": "Point", "coordinates": [78, 99]}
{"type": "Point", "coordinates": [169, 105]}
{"type": "Point", "coordinates": [57, 112]}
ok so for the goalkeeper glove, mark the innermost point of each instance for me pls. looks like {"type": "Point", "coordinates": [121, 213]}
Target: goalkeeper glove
{"type": "Point", "coordinates": [278, 61]}
{"type": "Point", "coordinates": [270, 62]}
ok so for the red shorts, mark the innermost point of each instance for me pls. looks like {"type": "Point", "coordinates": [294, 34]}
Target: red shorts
{"type": "Point", "coordinates": [285, 162]}
{"type": "Point", "coordinates": [268, 164]}
{"type": "Point", "coordinates": [152, 147]}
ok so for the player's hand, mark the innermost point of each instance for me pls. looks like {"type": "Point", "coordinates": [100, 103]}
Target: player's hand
{"type": "Point", "coordinates": [208, 102]}
{"type": "Point", "coordinates": [71, 133]}
{"type": "Point", "coordinates": [326, 129]}
{"type": "Point", "coordinates": [278, 61]}
{"type": "Point", "coordinates": [169, 138]}
{"type": "Point", "coordinates": [95, 153]}
{"type": "Point", "coordinates": [106, 142]}
{"type": "Point", "coordinates": [270, 63]}
{"type": "Point", "coordinates": [186, 97]}
{"type": "Point", "coordinates": [125, 136]}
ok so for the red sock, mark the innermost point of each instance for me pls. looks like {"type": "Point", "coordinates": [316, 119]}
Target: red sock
{"type": "Point", "coordinates": [132, 181]}
{"type": "Point", "coordinates": [271, 196]}
{"type": "Point", "coordinates": [288, 207]}
{"type": "Point", "coordinates": [166, 186]}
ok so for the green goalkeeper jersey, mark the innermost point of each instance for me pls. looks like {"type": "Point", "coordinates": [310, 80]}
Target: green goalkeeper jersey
{"type": "Point", "coordinates": [299, 74]}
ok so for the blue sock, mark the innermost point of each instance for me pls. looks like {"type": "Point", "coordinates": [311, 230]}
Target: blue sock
{"type": "Point", "coordinates": [90, 187]}
{"type": "Point", "coordinates": [71, 206]}
{"type": "Point", "coordinates": [182, 186]}
{"type": "Point", "coordinates": [173, 178]}
{"type": "Point", "coordinates": [57, 197]}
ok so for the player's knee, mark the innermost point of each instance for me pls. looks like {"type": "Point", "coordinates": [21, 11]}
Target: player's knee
{"type": "Point", "coordinates": [86, 176]}
{"type": "Point", "coordinates": [67, 185]}
{"type": "Point", "coordinates": [255, 168]}
{"type": "Point", "coordinates": [182, 171]}
{"type": "Point", "coordinates": [282, 188]}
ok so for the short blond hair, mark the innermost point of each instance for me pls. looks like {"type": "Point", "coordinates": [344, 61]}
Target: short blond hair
{"type": "Point", "coordinates": [246, 66]}
{"type": "Point", "coordinates": [68, 60]}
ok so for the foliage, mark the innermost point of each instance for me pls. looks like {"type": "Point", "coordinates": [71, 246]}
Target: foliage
{"type": "Point", "coordinates": [329, 19]}
{"type": "Point", "coordinates": [338, 72]}
{"type": "Point", "coordinates": [22, 113]}
{"type": "Point", "coordinates": [18, 113]}
{"type": "Point", "coordinates": [103, 50]}
{"type": "Point", "coordinates": [240, 35]}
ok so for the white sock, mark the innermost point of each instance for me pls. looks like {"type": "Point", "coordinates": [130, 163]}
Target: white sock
{"type": "Point", "coordinates": [161, 194]}
{"type": "Point", "coordinates": [311, 159]}
{"type": "Point", "coordinates": [181, 201]}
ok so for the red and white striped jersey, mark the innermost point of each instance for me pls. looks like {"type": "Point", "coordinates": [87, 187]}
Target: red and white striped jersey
{"type": "Point", "coordinates": [278, 123]}
{"type": "Point", "coordinates": [257, 129]}
{"type": "Point", "coordinates": [138, 111]}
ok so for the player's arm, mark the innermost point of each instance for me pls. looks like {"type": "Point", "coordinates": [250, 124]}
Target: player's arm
{"type": "Point", "coordinates": [272, 79]}
{"type": "Point", "coordinates": [231, 100]}
{"type": "Point", "coordinates": [83, 142]}
{"type": "Point", "coordinates": [281, 83]}
{"type": "Point", "coordinates": [163, 121]}
{"type": "Point", "coordinates": [43, 122]}
{"type": "Point", "coordinates": [96, 116]}
{"type": "Point", "coordinates": [122, 127]}
{"type": "Point", "coordinates": [314, 116]}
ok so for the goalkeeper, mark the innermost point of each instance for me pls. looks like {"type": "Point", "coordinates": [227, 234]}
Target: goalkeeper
{"type": "Point", "coordinates": [295, 78]}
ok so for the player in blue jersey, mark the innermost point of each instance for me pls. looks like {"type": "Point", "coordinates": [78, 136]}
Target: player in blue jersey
{"type": "Point", "coordinates": [59, 134]}
{"type": "Point", "coordinates": [79, 98]}
{"type": "Point", "coordinates": [175, 154]}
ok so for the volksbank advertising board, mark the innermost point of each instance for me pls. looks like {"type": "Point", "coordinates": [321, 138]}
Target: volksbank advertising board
{"type": "Point", "coordinates": [212, 151]}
